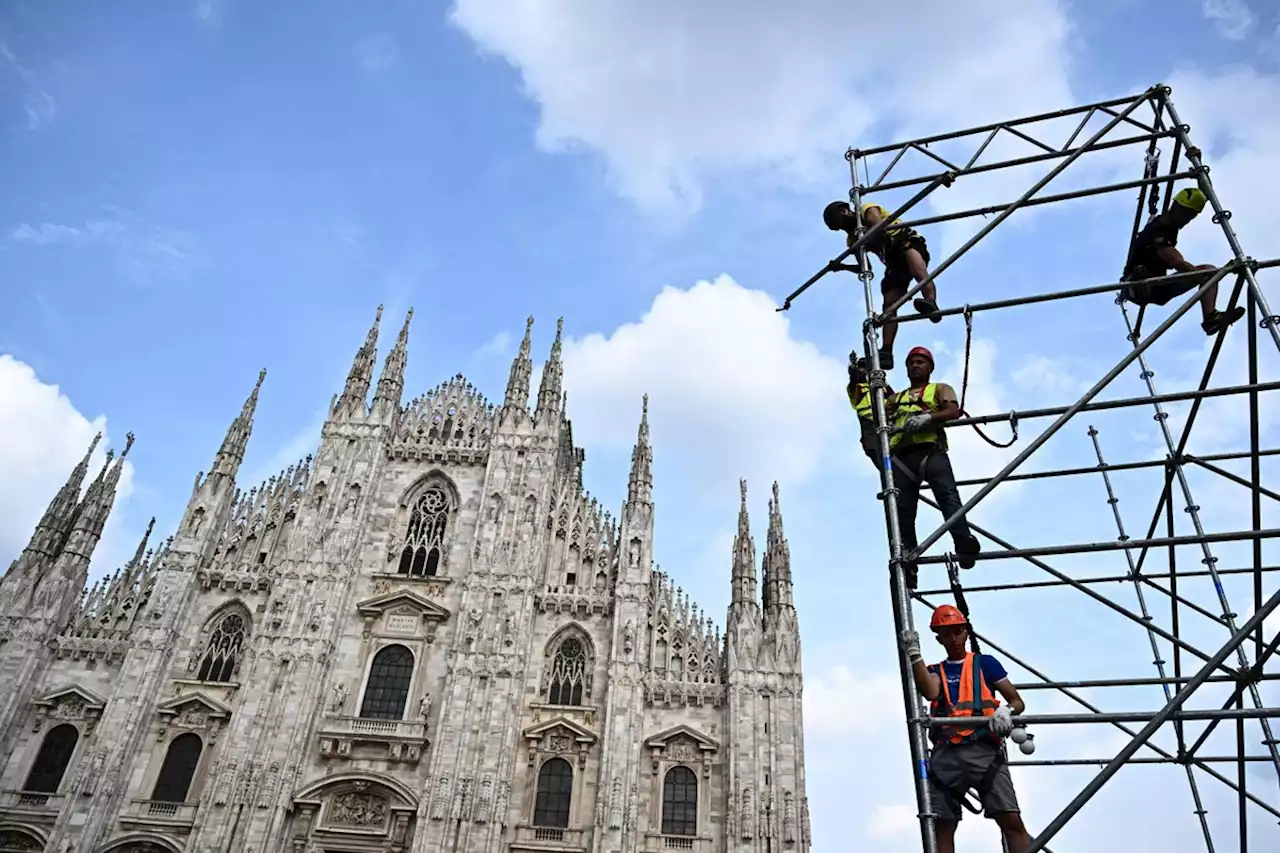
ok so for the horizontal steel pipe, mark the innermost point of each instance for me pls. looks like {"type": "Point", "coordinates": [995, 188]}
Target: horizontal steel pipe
{"type": "Point", "coordinates": [1118, 717]}
{"type": "Point", "coordinates": [1124, 466]}
{"type": "Point", "coordinates": [1094, 547]}
{"type": "Point", "coordinates": [1001, 587]}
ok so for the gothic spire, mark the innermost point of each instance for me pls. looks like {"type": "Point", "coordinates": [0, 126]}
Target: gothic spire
{"type": "Point", "coordinates": [391, 383]}
{"type": "Point", "coordinates": [778, 593]}
{"type": "Point", "coordinates": [552, 373]}
{"type": "Point", "coordinates": [521, 371]}
{"type": "Point", "coordinates": [640, 483]}
{"type": "Point", "coordinates": [355, 392]}
{"type": "Point", "coordinates": [51, 531]}
{"type": "Point", "coordinates": [743, 593]}
{"type": "Point", "coordinates": [142, 546]}
{"type": "Point", "coordinates": [92, 513]}
{"type": "Point", "coordinates": [231, 453]}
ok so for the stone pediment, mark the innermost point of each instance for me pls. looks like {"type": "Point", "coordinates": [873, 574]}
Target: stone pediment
{"type": "Point", "coordinates": [404, 601]}
{"type": "Point", "coordinates": [682, 732]}
{"type": "Point", "coordinates": [560, 727]}
{"type": "Point", "coordinates": [192, 704]}
{"type": "Point", "coordinates": [72, 694]}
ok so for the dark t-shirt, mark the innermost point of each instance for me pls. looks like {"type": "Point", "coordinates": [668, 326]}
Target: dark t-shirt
{"type": "Point", "coordinates": [992, 671]}
{"type": "Point", "coordinates": [1158, 233]}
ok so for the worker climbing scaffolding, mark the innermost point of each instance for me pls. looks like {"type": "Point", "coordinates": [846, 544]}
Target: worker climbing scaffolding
{"type": "Point", "coordinates": [904, 434]}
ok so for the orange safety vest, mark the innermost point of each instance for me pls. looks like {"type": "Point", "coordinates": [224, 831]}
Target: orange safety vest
{"type": "Point", "coordinates": [975, 699]}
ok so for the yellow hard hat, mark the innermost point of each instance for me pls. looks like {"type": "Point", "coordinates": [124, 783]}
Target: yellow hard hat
{"type": "Point", "coordinates": [871, 205]}
{"type": "Point", "coordinates": [1191, 198]}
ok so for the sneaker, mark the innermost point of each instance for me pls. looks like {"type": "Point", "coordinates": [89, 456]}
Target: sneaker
{"type": "Point", "coordinates": [966, 548]}
{"type": "Point", "coordinates": [929, 308]}
{"type": "Point", "coordinates": [1219, 320]}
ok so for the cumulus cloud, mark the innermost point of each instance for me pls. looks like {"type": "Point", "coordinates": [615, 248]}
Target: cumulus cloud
{"type": "Point", "coordinates": [732, 392]}
{"type": "Point", "coordinates": [42, 437]}
{"type": "Point", "coordinates": [669, 93]}
{"type": "Point", "coordinates": [1231, 18]}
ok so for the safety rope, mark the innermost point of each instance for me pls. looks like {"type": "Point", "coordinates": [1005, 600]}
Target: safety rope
{"type": "Point", "coordinates": [1151, 168]}
{"type": "Point", "coordinates": [957, 591]}
{"type": "Point", "coordinates": [964, 387]}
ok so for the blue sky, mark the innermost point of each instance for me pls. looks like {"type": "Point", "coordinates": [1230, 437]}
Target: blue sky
{"type": "Point", "coordinates": [194, 190]}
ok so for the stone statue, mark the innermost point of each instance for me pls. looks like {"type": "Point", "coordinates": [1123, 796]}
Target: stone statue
{"type": "Point", "coordinates": [424, 706]}
{"type": "Point", "coordinates": [339, 697]}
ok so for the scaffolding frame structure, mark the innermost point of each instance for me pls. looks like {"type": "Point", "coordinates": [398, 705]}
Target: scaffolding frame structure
{"type": "Point", "coordinates": [1242, 657]}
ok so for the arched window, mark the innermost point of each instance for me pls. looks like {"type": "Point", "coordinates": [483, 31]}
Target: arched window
{"type": "Point", "coordinates": [680, 802]}
{"type": "Point", "coordinates": [178, 770]}
{"type": "Point", "coordinates": [568, 673]}
{"type": "Point", "coordinates": [226, 646]}
{"type": "Point", "coordinates": [387, 690]}
{"type": "Point", "coordinates": [424, 541]}
{"type": "Point", "coordinates": [555, 785]}
{"type": "Point", "coordinates": [52, 760]}
{"type": "Point", "coordinates": [17, 839]}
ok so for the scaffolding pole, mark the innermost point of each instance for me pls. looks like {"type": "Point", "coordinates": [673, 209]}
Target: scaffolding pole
{"type": "Point", "coordinates": [1177, 687]}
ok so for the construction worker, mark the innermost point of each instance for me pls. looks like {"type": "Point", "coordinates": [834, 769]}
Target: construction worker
{"type": "Point", "coordinates": [1154, 253]}
{"type": "Point", "coordinates": [975, 758]}
{"type": "Point", "coordinates": [905, 257]}
{"type": "Point", "coordinates": [919, 447]}
{"type": "Point", "coordinates": [859, 391]}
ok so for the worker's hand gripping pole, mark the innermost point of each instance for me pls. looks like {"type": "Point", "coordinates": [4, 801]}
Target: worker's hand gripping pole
{"type": "Point", "coordinates": [917, 715]}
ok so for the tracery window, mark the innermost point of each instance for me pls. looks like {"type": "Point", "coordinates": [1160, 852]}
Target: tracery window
{"type": "Point", "coordinates": [555, 787]}
{"type": "Point", "coordinates": [387, 690]}
{"type": "Point", "coordinates": [178, 769]}
{"type": "Point", "coordinates": [568, 673]}
{"type": "Point", "coordinates": [424, 540]}
{"type": "Point", "coordinates": [52, 760]}
{"type": "Point", "coordinates": [680, 802]}
{"type": "Point", "coordinates": [19, 841]}
{"type": "Point", "coordinates": [226, 647]}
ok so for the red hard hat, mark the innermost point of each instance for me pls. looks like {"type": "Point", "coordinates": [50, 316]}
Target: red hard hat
{"type": "Point", "coordinates": [921, 351]}
{"type": "Point", "coordinates": [945, 615]}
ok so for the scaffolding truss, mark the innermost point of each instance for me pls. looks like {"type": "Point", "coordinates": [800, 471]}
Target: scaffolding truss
{"type": "Point", "coordinates": [1169, 611]}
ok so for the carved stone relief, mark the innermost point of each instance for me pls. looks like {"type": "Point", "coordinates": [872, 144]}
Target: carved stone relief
{"type": "Point", "coordinates": [358, 808]}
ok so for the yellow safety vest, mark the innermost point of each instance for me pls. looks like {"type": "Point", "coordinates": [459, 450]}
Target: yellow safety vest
{"type": "Point", "coordinates": [860, 399]}
{"type": "Point", "coordinates": [908, 406]}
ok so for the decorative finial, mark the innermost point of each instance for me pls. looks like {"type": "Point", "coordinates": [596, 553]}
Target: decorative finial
{"type": "Point", "coordinates": [644, 402]}
{"type": "Point", "coordinates": [775, 491]}
{"type": "Point", "coordinates": [742, 484]}
{"type": "Point", "coordinates": [128, 442]}
{"type": "Point", "coordinates": [528, 325]}
{"type": "Point", "coordinates": [378, 316]}
{"type": "Point", "coordinates": [559, 327]}
{"type": "Point", "coordinates": [262, 374]}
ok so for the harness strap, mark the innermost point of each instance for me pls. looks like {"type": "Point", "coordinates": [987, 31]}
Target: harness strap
{"type": "Point", "coordinates": [959, 796]}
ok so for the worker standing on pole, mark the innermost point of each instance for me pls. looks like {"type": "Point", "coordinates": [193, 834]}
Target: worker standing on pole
{"type": "Point", "coordinates": [919, 447]}
{"type": "Point", "coordinates": [965, 685]}
{"type": "Point", "coordinates": [859, 391]}
{"type": "Point", "coordinates": [905, 256]}
{"type": "Point", "coordinates": [1154, 253]}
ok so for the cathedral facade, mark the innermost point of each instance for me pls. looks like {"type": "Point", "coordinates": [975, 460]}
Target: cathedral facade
{"type": "Point", "coordinates": [425, 638]}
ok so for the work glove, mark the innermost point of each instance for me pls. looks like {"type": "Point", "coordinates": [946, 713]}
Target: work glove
{"type": "Point", "coordinates": [915, 423]}
{"type": "Point", "coordinates": [911, 645]}
{"type": "Point", "coordinates": [1002, 722]}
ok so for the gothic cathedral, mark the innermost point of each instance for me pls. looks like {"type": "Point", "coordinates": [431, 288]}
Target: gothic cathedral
{"type": "Point", "coordinates": [426, 639]}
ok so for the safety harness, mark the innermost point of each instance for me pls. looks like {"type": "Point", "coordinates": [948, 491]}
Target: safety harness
{"type": "Point", "coordinates": [938, 734]}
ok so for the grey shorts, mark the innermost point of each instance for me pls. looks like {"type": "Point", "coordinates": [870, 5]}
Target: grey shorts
{"type": "Point", "coordinates": [963, 766]}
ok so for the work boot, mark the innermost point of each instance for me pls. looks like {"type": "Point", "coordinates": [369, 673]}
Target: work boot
{"type": "Point", "coordinates": [1219, 320]}
{"type": "Point", "coordinates": [886, 359]}
{"type": "Point", "coordinates": [966, 548]}
{"type": "Point", "coordinates": [927, 307]}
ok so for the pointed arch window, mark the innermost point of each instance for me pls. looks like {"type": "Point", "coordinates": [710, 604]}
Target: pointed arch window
{"type": "Point", "coordinates": [179, 768]}
{"type": "Point", "coordinates": [52, 760]}
{"type": "Point", "coordinates": [387, 690]}
{"type": "Point", "coordinates": [555, 788]}
{"type": "Point", "coordinates": [225, 649]}
{"type": "Point", "coordinates": [425, 539]}
{"type": "Point", "coordinates": [680, 802]}
{"type": "Point", "coordinates": [568, 673]}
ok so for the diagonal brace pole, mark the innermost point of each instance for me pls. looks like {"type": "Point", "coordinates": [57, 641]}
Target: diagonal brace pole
{"type": "Point", "coordinates": [1140, 739]}
{"type": "Point", "coordinates": [1070, 412]}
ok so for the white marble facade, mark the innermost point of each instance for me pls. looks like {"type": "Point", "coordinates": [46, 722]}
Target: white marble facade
{"type": "Point", "coordinates": [427, 637]}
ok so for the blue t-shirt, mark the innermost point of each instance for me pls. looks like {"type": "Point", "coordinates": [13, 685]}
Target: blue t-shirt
{"type": "Point", "coordinates": [992, 671]}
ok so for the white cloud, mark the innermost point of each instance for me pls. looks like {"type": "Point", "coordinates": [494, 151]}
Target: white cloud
{"type": "Point", "coordinates": [842, 703]}
{"type": "Point", "coordinates": [671, 92]}
{"type": "Point", "coordinates": [39, 106]}
{"type": "Point", "coordinates": [893, 822]}
{"type": "Point", "coordinates": [731, 392]}
{"type": "Point", "coordinates": [210, 12]}
{"type": "Point", "coordinates": [42, 437]}
{"type": "Point", "coordinates": [1231, 18]}
{"type": "Point", "coordinates": [143, 251]}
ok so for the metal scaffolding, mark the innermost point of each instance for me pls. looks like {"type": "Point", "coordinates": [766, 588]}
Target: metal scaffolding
{"type": "Point", "coordinates": [1242, 656]}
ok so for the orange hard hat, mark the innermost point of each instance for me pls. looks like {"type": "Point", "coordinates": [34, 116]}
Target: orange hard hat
{"type": "Point", "coordinates": [921, 351]}
{"type": "Point", "coordinates": [945, 615]}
